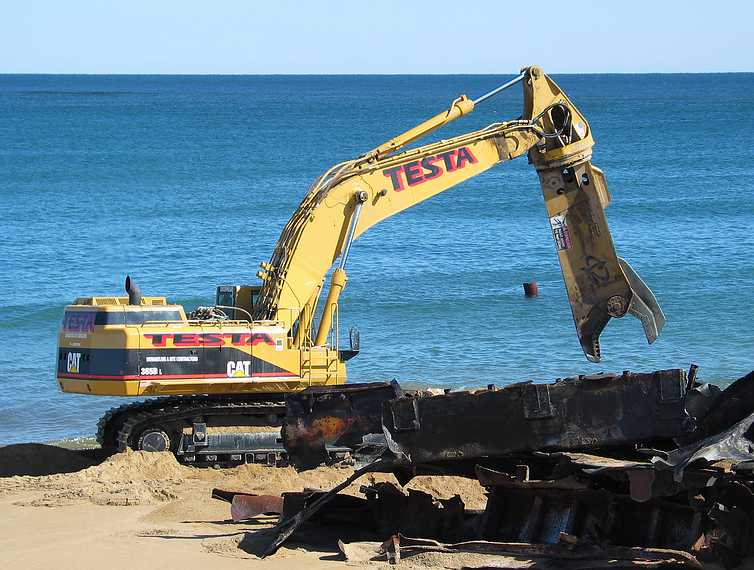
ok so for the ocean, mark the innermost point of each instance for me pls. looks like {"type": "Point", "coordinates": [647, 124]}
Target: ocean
{"type": "Point", "coordinates": [185, 182]}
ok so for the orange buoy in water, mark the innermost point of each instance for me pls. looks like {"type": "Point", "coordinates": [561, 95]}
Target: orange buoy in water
{"type": "Point", "coordinates": [531, 289]}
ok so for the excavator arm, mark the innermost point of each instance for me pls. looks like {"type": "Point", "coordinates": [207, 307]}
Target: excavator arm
{"type": "Point", "coordinates": [353, 196]}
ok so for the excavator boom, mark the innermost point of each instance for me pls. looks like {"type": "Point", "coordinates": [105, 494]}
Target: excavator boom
{"type": "Point", "coordinates": [355, 195]}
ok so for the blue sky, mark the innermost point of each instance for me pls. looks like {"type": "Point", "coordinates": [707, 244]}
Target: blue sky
{"type": "Point", "coordinates": [246, 36]}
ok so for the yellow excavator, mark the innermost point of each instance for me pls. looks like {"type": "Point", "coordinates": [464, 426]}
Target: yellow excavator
{"type": "Point", "coordinates": [230, 365]}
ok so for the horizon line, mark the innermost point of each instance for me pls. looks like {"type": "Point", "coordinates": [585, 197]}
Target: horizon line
{"type": "Point", "coordinates": [135, 74]}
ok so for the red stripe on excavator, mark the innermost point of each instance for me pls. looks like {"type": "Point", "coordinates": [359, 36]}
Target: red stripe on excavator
{"type": "Point", "coordinates": [171, 376]}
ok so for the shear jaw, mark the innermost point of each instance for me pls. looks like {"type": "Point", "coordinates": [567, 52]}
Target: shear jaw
{"type": "Point", "coordinates": [642, 305]}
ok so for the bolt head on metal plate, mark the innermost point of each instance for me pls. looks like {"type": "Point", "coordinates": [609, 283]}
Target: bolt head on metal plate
{"type": "Point", "coordinates": [617, 306]}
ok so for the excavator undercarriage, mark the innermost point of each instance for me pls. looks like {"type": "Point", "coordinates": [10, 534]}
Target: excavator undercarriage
{"type": "Point", "coordinates": [205, 430]}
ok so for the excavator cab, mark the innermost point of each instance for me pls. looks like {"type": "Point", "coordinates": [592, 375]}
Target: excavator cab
{"type": "Point", "coordinates": [237, 301]}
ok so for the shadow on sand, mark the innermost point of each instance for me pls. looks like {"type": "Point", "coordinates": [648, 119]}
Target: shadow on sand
{"type": "Point", "coordinates": [40, 459]}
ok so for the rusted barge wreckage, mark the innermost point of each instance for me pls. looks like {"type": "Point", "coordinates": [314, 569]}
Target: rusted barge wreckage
{"type": "Point", "coordinates": [640, 469]}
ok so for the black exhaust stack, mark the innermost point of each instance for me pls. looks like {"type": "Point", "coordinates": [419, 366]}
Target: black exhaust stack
{"type": "Point", "coordinates": [134, 293]}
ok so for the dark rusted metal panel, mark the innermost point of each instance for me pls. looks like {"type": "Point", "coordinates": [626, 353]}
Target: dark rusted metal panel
{"type": "Point", "coordinates": [729, 407]}
{"type": "Point", "coordinates": [332, 416]}
{"type": "Point", "coordinates": [734, 445]}
{"type": "Point", "coordinates": [541, 515]}
{"type": "Point", "coordinates": [575, 413]}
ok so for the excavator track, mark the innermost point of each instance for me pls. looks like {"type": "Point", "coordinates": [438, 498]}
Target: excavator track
{"type": "Point", "coordinates": [184, 425]}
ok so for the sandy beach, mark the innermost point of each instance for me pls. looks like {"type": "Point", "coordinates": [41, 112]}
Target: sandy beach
{"type": "Point", "coordinates": [65, 509]}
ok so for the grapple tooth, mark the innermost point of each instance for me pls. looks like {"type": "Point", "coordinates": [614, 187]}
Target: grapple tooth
{"type": "Point", "coordinates": [643, 304]}
{"type": "Point", "coordinates": [639, 301]}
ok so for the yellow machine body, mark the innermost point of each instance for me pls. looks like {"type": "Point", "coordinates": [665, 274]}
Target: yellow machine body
{"type": "Point", "coordinates": [110, 348]}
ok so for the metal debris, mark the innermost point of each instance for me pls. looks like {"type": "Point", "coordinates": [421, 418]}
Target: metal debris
{"type": "Point", "coordinates": [291, 522]}
{"type": "Point", "coordinates": [575, 413]}
{"type": "Point", "coordinates": [649, 470]}
{"type": "Point", "coordinates": [322, 417]}
{"type": "Point", "coordinates": [245, 506]}
{"type": "Point", "coordinates": [561, 556]}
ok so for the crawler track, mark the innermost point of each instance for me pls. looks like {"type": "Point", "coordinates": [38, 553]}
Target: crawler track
{"type": "Point", "coordinates": [178, 421]}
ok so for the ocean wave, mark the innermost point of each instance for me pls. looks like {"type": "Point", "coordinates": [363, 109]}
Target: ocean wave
{"type": "Point", "coordinates": [14, 316]}
{"type": "Point", "coordinates": [80, 93]}
{"type": "Point", "coordinates": [26, 315]}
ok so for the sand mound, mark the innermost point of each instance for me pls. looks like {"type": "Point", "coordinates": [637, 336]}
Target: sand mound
{"type": "Point", "coordinates": [470, 491]}
{"type": "Point", "coordinates": [132, 478]}
{"type": "Point", "coordinates": [37, 459]}
{"type": "Point", "coordinates": [138, 465]}
{"type": "Point", "coordinates": [150, 495]}
{"type": "Point", "coordinates": [142, 478]}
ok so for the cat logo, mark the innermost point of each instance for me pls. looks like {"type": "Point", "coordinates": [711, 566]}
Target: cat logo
{"type": "Point", "coordinates": [239, 368]}
{"type": "Point", "coordinates": [72, 365]}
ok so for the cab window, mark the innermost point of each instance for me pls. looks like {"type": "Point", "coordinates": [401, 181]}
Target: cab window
{"type": "Point", "coordinates": [141, 317]}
